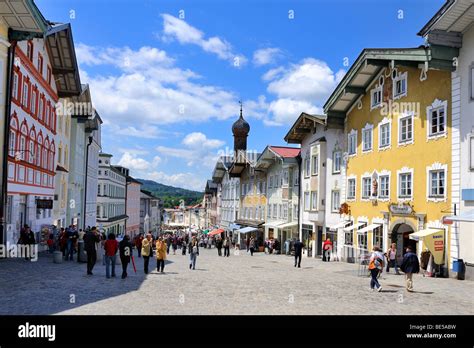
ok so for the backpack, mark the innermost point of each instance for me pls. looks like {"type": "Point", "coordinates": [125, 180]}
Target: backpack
{"type": "Point", "coordinates": [195, 249]}
{"type": "Point", "coordinates": [378, 263]}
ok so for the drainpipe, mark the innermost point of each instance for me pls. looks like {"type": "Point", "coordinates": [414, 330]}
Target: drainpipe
{"type": "Point", "coordinates": [300, 182]}
{"type": "Point", "coordinates": [6, 137]}
{"type": "Point", "coordinates": [85, 182]}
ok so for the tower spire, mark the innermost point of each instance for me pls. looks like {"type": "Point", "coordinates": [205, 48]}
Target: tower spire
{"type": "Point", "coordinates": [240, 102]}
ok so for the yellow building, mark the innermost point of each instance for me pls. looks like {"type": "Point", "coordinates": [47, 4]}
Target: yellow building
{"type": "Point", "coordinates": [397, 109]}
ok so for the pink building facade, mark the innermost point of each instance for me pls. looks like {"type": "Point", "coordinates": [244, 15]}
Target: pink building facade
{"type": "Point", "coordinates": [133, 207]}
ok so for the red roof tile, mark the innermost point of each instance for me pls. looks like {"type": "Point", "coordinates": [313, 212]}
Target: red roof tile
{"type": "Point", "coordinates": [286, 152]}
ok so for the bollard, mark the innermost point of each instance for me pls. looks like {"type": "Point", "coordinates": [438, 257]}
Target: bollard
{"type": "Point", "coordinates": [57, 257]}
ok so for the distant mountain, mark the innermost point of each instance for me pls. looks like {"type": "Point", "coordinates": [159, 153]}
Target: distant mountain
{"type": "Point", "coordinates": [171, 196]}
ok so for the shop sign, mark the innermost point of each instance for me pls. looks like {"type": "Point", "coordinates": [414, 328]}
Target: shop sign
{"type": "Point", "coordinates": [44, 204]}
{"type": "Point", "coordinates": [400, 209]}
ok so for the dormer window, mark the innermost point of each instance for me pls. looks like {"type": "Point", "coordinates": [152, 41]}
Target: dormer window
{"type": "Point", "coordinates": [399, 84]}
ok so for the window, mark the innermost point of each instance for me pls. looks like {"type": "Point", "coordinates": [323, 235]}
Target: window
{"type": "Point", "coordinates": [351, 188]}
{"type": "Point", "coordinates": [306, 201]}
{"type": "Point", "coordinates": [367, 139]}
{"type": "Point", "coordinates": [296, 175]}
{"type": "Point", "coordinates": [40, 64]}
{"type": "Point", "coordinates": [29, 50]}
{"type": "Point", "coordinates": [378, 237]}
{"type": "Point", "coordinates": [315, 165]}
{"type": "Point", "coordinates": [436, 114]}
{"type": "Point", "coordinates": [349, 238]}
{"type": "Point", "coordinates": [15, 86]}
{"type": "Point", "coordinates": [314, 200]}
{"type": "Point", "coordinates": [41, 108]}
{"type": "Point", "coordinates": [295, 211]}
{"type": "Point", "coordinates": [33, 102]}
{"type": "Point", "coordinates": [9, 209]}
{"type": "Point", "coordinates": [48, 76]}
{"type": "Point", "coordinates": [366, 186]}
{"type": "Point", "coordinates": [336, 162]}
{"type": "Point", "coordinates": [275, 211]}
{"type": "Point", "coordinates": [25, 95]}
{"type": "Point", "coordinates": [399, 84]}
{"type": "Point", "coordinates": [31, 152]}
{"type": "Point", "coordinates": [352, 143]}
{"type": "Point", "coordinates": [472, 82]}
{"type": "Point", "coordinates": [335, 201]}
{"type": "Point", "coordinates": [280, 206]}
{"type": "Point", "coordinates": [306, 165]}
{"type": "Point", "coordinates": [269, 211]}
{"type": "Point", "coordinates": [405, 129]}
{"type": "Point", "coordinates": [285, 177]}
{"type": "Point", "coordinates": [285, 211]}
{"type": "Point", "coordinates": [362, 240]}
{"type": "Point", "coordinates": [384, 186]}
{"type": "Point", "coordinates": [376, 97]}
{"type": "Point", "coordinates": [437, 183]}
{"type": "Point", "coordinates": [384, 135]}
{"type": "Point", "coordinates": [12, 145]}
{"type": "Point", "coordinates": [405, 185]}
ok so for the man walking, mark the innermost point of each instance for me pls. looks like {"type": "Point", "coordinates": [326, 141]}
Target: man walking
{"type": "Point", "coordinates": [298, 252]}
{"type": "Point", "coordinates": [410, 265]}
{"type": "Point", "coordinates": [90, 239]}
{"type": "Point", "coordinates": [226, 247]}
{"type": "Point", "coordinates": [392, 258]}
{"type": "Point", "coordinates": [125, 248]}
{"type": "Point", "coordinates": [111, 247]}
{"type": "Point", "coordinates": [219, 246]}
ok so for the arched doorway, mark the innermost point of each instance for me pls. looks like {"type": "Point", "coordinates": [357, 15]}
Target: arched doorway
{"type": "Point", "coordinates": [401, 235]}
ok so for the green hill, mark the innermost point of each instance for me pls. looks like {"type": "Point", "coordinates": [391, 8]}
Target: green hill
{"type": "Point", "coordinates": [171, 196]}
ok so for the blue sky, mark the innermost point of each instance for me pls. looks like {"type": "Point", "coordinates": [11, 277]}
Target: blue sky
{"type": "Point", "coordinates": [166, 76]}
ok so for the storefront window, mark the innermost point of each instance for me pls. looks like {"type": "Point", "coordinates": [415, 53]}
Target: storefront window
{"type": "Point", "coordinates": [349, 238]}
{"type": "Point", "coordinates": [378, 237]}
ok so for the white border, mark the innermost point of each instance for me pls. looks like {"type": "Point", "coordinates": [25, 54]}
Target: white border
{"type": "Point", "coordinates": [435, 105]}
{"type": "Point", "coordinates": [355, 188]}
{"type": "Point", "coordinates": [436, 166]}
{"type": "Point", "coordinates": [365, 176]}
{"type": "Point", "coordinates": [384, 172]}
{"type": "Point", "coordinates": [405, 170]}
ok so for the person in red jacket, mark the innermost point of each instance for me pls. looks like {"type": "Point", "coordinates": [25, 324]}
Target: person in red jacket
{"type": "Point", "coordinates": [327, 249]}
{"type": "Point", "coordinates": [111, 247]}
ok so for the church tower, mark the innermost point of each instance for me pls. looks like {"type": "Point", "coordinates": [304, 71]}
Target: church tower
{"type": "Point", "coordinates": [241, 130]}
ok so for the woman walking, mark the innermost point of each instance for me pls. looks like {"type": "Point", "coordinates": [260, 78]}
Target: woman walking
{"type": "Point", "coordinates": [392, 258]}
{"type": "Point", "coordinates": [252, 246]}
{"type": "Point", "coordinates": [147, 251]}
{"type": "Point", "coordinates": [226, 247]}
{"type": "Point", "coordinates": [193, 252]}
{"type": "Point", "coordinates": [375, 267]}
{"type": "Point", "coordinates": [160, 255]}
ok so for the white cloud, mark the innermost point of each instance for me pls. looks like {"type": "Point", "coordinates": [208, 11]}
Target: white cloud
{"type": "Point", "coordinates": [154, 89]}
{"type": "Point", "coordinates": [177, 29]}
{"type": "Point", "coordinates": [266, 56]}
{"type": "Point", "coordinates": [302, 87]}
{"type": "Point", "coordinates": [198, 151]}
{"type": "Point", "coordinates": [130, 161]}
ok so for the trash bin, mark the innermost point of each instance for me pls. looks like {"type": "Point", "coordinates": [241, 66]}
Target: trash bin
{"type": "Point", "coordinates": [57, 257]}
{"type": "Point", "coordinates": [460, 268]}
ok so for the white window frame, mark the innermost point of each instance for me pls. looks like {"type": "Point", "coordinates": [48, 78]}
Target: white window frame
{"type": "Point", "coordinates": [335, 207]}
{"type": "Point", "coordinates": [336, 158]}
{"type": "Point", "coordinates": [384, 174]}
{"type": "Point", "coordinates": [402, 117]}
{"type": "Point", "coordinates": [364, 177]}
{"type": "Point", "coordinates": [352, 135]}
{"type": "Point", "coordinates": [314, 201]}
{"type": "Point", "coordinates": [307, 165]}
{"type": "Point", "coordinates": [405, 170]}
{"type": "Point", "coordinates": [315, 169]}
{"type": "Point", "coordinates": [385, 122]}
{"type": "Point", "coordinates": [436, 106]}
{"type": "Point", "coordinates": [16, 78]}
{"type": "Point", "coordinates": [351, 198]}
{"type": "Point", "coordinates": [376, 91]}
{"type": "Point", "coordinates": [297, 177]}
{"type": "Point", "coordinates": [436, 167]}
{"type": "Point", "coordinates": [367, 128]}
{"type": "Point", "coordinates": [307, 201]}
{"type": "Point", "coordinates": [399, 77]}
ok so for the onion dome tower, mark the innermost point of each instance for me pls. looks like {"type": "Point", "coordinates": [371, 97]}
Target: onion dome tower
{"type": "Point", "coordinates": [241, 130]}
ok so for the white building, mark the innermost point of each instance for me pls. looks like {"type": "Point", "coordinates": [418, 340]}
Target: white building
{"type": "Point", "coordinates": [111, 199]}
{"type": "Point", "coordinates": [281, 165]}
{"type": "Point", "coordinates": [321, 179]}
{"type": "Point", "coordinates": [228, 209]}
{"type": "Point", "coordinates": [453, 26]}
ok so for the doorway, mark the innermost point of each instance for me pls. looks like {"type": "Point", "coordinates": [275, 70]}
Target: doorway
{"type": "Point", "coordinates": [401, 236]}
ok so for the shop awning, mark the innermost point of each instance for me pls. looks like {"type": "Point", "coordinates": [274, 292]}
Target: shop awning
{"type": "Point", "coordinates": [218, 231]}
{"type": "Point", "coordinates": [368, 228]}
{"type": "Point", "coordinates": [433, 239]}
{"type": "Point", "coordinates": [288, 225]}
{"type": "Point", "coordinates": [340, 224]}
{"type": "Point", "coordinates": [275, 224]}
{"type": "Point", "coordinates": [247, 230]}
{"type": "Point", "coordinates": [467, 216]}
{"type": "Point", "coordinates": [353, 227]}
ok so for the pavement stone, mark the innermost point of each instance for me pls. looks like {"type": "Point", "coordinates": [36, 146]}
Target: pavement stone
{"type": "Point", "coordinates": [239, 284]}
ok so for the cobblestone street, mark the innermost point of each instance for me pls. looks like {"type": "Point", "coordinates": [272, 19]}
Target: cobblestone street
{"type": "Point", "coordinates": [240, 284]}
